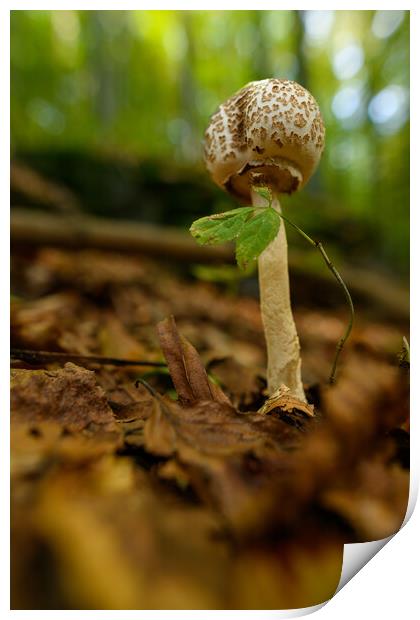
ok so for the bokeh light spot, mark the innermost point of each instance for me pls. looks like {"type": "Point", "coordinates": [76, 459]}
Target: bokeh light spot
{"type": "Point", "coordinates": [318, 26]}
{"type": "Point", "coordinates": [66, 25]}
{"type": "Point", "coordinates": [389, 108]}
{"type": "Point", "coordinates": [47, 116]}
{"type": "Point", "coordinates": [347, 101]}
{"type": "Point", "coordinates": [348, 61]}
{"type": "Point", "coordinates": [385, 23]}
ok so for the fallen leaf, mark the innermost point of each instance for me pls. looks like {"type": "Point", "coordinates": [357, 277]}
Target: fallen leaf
{"type": "Point", "coordinates": [36, 446]}
{"type": "Point", "coordinates": [287, 403]}
{"type": "Point", "coordinates": [70, 397]}
{"type": "Point", "coordinates": [374, 501]}
{"type": "Point", "coordinates": [232, 459]}
{"type": "Point", "coordinates": [187, 371]}
{"type": "Point", "coordinates": [116, 341]}
{"type": "Point", "coordinates": [243, 384]}
{"type": "Point", "coordinates": [287, 575]}
{"type": "Point", "coordinates": [112, 541]}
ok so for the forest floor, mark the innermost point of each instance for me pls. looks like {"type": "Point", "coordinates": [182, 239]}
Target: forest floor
{"type": "Point", "coordinates": [162, 486]}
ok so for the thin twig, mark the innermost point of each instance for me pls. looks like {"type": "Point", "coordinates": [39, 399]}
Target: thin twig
{"type": "Point", "coordinates": [40, 357]}
{"type": "Point", "coordinates": [319, 246]}
{"type": "Point", "coordinates": [148, 387]}
{"type": "Point", "coordinates": [159, 398]}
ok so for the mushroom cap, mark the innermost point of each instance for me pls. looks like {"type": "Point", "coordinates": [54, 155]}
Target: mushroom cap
{"type": "Point", "coordinates": [270, 132]}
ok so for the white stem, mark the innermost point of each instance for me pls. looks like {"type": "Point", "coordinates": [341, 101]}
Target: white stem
{"type": "Point", "coordinates": [283, 349]}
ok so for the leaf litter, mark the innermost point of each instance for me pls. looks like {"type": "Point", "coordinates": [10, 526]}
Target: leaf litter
{"type": "Point", "coordinates": [191, 488]}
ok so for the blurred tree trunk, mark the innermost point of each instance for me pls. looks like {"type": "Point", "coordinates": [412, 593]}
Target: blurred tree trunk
{"type": "Point", "coordinates": [107, 50]}
{"type": "Point", "coordinates": [299, 35]}
{"type": "Point", "coordinates": [188, 88]}
{"type": "Point", "coordinates": [260, 59]}
{"type": "Point", "coordinates": [100, 65]}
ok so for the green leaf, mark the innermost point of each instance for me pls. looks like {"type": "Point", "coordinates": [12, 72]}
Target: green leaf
{"type": "Point", "coordinates": [255, 236]}
{"type": "Point", "coordinates": [220, 227]}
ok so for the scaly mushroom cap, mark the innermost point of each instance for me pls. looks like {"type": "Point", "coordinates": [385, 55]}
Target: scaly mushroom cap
{"type": "Point", "coordinates": [270, 132]}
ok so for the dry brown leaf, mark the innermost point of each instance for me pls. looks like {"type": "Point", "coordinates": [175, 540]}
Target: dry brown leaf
{"type": "Point", "coordinates": [70, 397]}
{"type": "Point", "coordinates": [59, 322]}
{"type": "Point", "coordinates": [369, 398]}
{"type": "Point", "coordinates": [35, 446]}
{"type": "Point", "coordinates": [187, 371]}
{"type": "Point", "coordinates": [172, 470]}
{"type": "Point", "coordinates": [232, 459]}
{"type": "Point", "coordinates": [373, 501]}
{"type": "Point", "coordinates": [116, 341]}
{"type": "Point", "coordinates": [59, 416]}
{"type": "Point", "coordinates": [112, 542]}
{"type": "Point", "coordinates": [287, 403]}
{"type": "Point", "coordinates": [243, 384]}
{"type": "Point", "coordinates": [288, 575]}
{"type": "Point", "coordinates": [360, 410]}
{"type": "Point", "coordinates": [213, 428]}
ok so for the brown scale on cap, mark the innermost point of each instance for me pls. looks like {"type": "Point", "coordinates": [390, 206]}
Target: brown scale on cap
{"type": "Point", "coordinates": [271, 129]}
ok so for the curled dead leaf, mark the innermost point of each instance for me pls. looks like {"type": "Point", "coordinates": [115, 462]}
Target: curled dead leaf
{"type": "Point", "coordinates": [287, 403]}
{"type": "Point", "coordinates": [187, 371]}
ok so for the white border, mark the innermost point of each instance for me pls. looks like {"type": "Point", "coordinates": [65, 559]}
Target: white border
{"type": "Point", "coordinates": [386, 586]}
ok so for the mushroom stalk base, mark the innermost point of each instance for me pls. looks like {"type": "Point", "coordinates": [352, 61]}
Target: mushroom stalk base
{"type": "Point", "coordinates": [283, 349]}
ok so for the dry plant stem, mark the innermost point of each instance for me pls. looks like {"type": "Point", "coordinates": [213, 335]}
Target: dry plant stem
{"type": "Point", "coordinates": [341, 342]}
{"type": "Point", "coordinates": [41, 357]}
{"type": "Point", "coordinates": [343, 339]}
{"type": "Point", "coordinates": [283, 349]}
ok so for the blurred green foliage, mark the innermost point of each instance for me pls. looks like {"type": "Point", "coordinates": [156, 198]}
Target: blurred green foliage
{"type": "Point", "coordinates": [141, 85]}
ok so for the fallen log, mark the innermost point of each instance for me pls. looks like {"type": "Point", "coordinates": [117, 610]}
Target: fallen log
{"type": "Point", "coordinates": [35, 228]}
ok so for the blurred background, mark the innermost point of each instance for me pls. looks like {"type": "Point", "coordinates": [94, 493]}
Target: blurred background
{"type": "Point", "coordinates": [108, 108]}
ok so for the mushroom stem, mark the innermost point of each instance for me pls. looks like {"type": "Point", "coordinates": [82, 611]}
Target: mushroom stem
{"type": "Point", "coordinates": [283, 349]}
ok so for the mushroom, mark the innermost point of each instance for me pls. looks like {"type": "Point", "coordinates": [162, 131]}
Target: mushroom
{"type": "Point", "coordinates": [270, 134]}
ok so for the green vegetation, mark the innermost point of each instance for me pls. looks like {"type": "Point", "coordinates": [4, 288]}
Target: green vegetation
{"type": "Point", "coordinates": [139, 86]}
